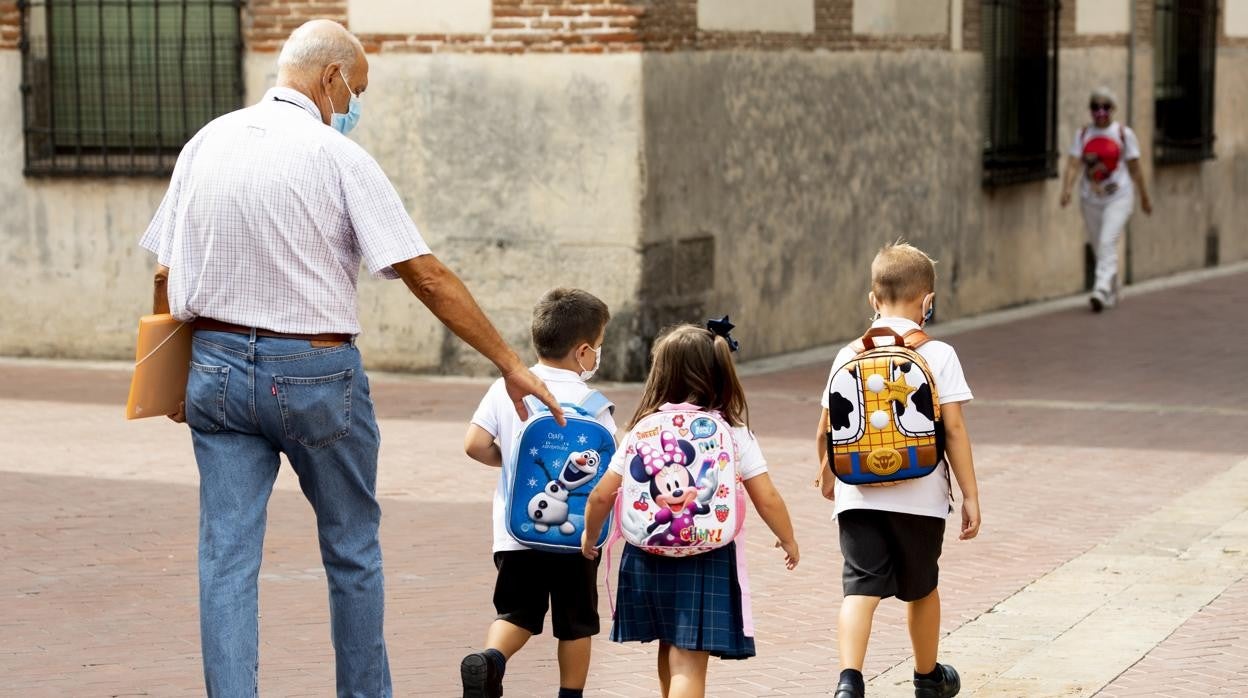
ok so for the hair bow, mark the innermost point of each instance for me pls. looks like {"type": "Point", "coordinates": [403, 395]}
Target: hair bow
{"type": "Point", "coordinates": [723, 328]}
{"type": "Point", "coordinates": [655, 459]}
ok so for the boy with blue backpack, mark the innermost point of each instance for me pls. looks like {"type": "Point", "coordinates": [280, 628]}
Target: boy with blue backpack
{"type": "Point", "coordinates": [546, 474]}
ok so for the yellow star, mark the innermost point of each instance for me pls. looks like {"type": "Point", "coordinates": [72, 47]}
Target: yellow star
{"type": "Point", "coordinates": [898, 390]}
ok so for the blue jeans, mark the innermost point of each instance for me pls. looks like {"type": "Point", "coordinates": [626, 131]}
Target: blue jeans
{"type": "Point", "coordinates": [249, 399]}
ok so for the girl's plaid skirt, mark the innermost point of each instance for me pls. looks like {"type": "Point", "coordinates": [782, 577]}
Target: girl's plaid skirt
{"type": "Point", "coordinates": [691, 602]}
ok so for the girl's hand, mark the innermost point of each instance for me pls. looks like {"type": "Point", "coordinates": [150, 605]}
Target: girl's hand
{"type": "Point", "coordinates": [970, 519]}
{"type": "Point", "coordinates": [587, 548]}
{"type": "Point", "coordinates": [791, 555]}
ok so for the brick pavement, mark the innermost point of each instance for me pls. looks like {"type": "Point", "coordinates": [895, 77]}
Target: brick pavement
{"type": "Point", "coordinates": [98, 568]}
{"type": "Point", "coordinates": [1206, 656]}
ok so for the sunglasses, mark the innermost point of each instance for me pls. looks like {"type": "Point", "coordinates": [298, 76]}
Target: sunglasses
{"type": "Point", "coordinates": [1098, 106]}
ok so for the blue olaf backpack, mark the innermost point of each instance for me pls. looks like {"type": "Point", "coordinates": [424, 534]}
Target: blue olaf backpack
{"type": "Point", "coordinates": [555, 470]}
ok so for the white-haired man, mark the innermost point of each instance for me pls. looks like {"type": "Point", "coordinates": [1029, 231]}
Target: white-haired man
{"type": "Point", "coordinates": [1108, 155]}
{"type": "Point", "coordinates": [259, 240]}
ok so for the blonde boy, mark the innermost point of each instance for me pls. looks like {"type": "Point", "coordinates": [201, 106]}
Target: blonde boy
{"type": "Point", "coordinates": [891, 536]}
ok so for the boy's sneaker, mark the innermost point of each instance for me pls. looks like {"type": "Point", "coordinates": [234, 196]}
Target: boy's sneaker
{"type": "Point", "coordinates": [481, 677]}
{"type": "Point", "coordinates": [850, 684]}
{"type": "Point", "coordinates": [946, 686]}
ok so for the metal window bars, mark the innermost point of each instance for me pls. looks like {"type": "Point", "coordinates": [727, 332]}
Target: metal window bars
{"type": "Point", "coordinates": [117, 87]}
{"type": "Point", "coordinates": [1184, 59]}
{"type": "Point", "coordinates": [1020, 46]}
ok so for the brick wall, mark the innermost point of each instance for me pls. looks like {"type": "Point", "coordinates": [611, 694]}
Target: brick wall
{"type": "Point", "coordinates": [605, 26]}
{"type": "Point", "coordinates": [1067, 38]}
{"type": "Point", "coordinates": [10, 24]}
{"type": "Point", "coordinates": [670, 25]}
{"type": "Point", "coordinates": [519, 26]}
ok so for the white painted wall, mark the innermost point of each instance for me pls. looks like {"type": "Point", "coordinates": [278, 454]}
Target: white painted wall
{"type": "Point", "coordinates": [901, 17]}
{"type": "Point", "coordinates": [1102, 17]}
{"type": "Point", "coordinates": [419, 16]}
{"type": "Point", "coordinates": [1236, 20]}
{"type": "Point", "coordinates": [793, 16]}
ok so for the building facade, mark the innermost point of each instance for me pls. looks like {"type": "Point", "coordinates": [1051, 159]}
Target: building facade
{"type": "Point", "coordinates": [679, 158]}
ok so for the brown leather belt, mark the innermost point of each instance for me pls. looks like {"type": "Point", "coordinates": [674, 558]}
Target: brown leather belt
{"type": "Point", "coordinates": [206, 323]}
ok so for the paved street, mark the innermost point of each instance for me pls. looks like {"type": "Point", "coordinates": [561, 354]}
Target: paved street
{"type": "Point", "coordinates": [1112, 452]}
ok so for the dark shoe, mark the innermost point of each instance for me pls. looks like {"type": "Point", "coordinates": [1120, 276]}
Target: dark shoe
{"type": "Point", "coordinates": [1096, 301]}
{"type": "Point", "coordinates": [947, 687]}
{"type": "Point", "coordinates": [846, 689]}
{"type": "Point", "coordinates": [481, 678]}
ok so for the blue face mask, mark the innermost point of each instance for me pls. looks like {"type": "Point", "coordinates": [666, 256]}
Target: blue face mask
{"type": "Point", "coordinates": [343, 123]}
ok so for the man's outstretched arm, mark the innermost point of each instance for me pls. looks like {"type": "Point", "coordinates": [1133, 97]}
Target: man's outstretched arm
{"type": "Point", "coordinates": [449, 300]}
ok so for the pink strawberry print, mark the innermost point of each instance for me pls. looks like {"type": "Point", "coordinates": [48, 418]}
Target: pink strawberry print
{"type": "Point", "coordinates": [721, 512]}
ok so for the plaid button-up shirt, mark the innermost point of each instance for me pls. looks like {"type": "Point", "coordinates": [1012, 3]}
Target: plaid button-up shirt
{"type": "Point", "coordinates": [268, 216]}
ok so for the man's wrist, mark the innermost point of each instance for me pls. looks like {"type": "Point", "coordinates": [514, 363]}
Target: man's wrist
{"type": "Point", "coordinates": [510, 363]}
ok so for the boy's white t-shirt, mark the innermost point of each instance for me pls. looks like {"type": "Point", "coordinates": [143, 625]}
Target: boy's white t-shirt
{"type": "Point", "coordinates": [1091, 145]}
{"type": "Point", "coordinates": [497, 415]}
{"type": "Point", "coordinates": [752, 463]}
{"type": "Point", "coordinates": [927, 495]}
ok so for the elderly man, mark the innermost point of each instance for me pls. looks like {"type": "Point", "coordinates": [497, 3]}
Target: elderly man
{"type": "Point", "coordinates": [259, 240]}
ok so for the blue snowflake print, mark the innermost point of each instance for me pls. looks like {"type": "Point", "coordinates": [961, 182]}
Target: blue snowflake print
{"type": "Point", "coordinates": [532, 482]}
{"type": "Point", "coordinates": [582, 439]}
{"type": "Point", "coordinates": [533, 452]}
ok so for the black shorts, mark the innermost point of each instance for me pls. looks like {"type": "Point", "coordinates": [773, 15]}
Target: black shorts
{"type": "Point", "coordinates": [530, 581]}
{"type": "Point", "coordinates": [890, 554]}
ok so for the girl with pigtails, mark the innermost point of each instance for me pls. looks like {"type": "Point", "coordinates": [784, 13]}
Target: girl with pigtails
{"type": "Point", "coordinates": [695, 605]}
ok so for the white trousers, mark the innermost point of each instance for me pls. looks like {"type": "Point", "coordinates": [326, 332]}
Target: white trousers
{"type": "Point", "coordinates": [1104, 222]}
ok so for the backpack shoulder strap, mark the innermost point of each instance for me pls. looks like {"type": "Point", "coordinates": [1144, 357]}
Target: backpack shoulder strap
{"type": "Point", "coordinates": [915, 339]}
{"type": "Point", "coordinates": [595, 403]}
{"type": "Point", "coordinates": [534, 406]}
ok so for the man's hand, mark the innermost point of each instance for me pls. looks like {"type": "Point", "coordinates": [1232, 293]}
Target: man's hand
{"type": "Point", "coordinates": [180, 415]}
{"type": "Point", "coordinates": [587, 548]}
{"type": "Point", "coordinates": [970, 519]}
{"type": "Point", "coordinates": [521, 382]}
{"type": "Point", "coordinates": [1146, 203]}
{"type": "Point", "coordinates": [1065, 200]}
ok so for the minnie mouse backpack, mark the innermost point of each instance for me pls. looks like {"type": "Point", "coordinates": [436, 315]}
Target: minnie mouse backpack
{"type": "Point", "coordinates": [555, 469]}
{"type": "Point", "coordinates": [682, 494]}
{"type": "Point", "coordinates": [884, 413]}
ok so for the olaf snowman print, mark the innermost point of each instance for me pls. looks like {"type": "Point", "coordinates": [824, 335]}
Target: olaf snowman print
{"type": "Point", "coordinates": [549, 508]}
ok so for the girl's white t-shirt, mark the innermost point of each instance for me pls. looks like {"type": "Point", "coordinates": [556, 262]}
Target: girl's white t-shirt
{"type": "Point", "coordinates": [752, 464]}
{"type": "Point", "coordinates": [928, 495]}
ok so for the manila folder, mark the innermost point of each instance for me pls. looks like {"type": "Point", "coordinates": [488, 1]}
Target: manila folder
{"type": "Point", "coordinates": [161, 362]}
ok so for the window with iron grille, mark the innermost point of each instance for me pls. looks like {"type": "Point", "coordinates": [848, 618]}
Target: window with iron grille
{"type": "Point", "coordinates": [1185, 53]}
{"type": "Point", "coordinates": [1019, 39]}
{"type": "Point", "coordinates": [117, 87]}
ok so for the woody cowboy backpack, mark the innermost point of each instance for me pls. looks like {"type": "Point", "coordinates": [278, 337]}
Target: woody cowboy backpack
{"type": "Point", "coordinates": [555, 470]}
{"type": "Point", "coordinates": [682, 493]}
{"type": "Point", "coordinates": [884, 413]}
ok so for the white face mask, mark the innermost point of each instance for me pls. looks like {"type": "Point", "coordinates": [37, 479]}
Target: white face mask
{"type": "Point", "coordinates": [586, 374]}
